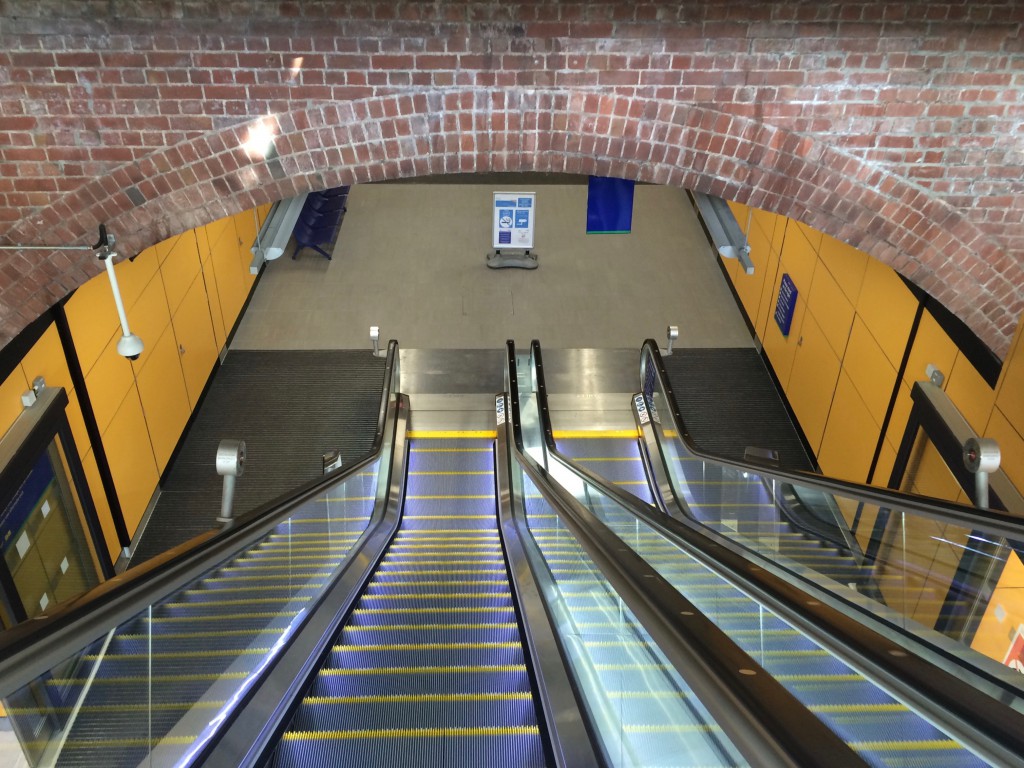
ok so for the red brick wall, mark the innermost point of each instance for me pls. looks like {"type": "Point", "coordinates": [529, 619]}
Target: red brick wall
{"type": "Point", "coordinates": [896, 127]}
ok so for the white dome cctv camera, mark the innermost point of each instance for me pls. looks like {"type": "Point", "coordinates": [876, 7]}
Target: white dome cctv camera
{"type": "Point", "coordinates": [130, 346]}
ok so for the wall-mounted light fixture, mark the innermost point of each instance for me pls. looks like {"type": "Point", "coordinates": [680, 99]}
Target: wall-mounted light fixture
{"type": "Point", "coordinates": [129, 345]}
{"type": "Point", "coordinates": [730, 241]}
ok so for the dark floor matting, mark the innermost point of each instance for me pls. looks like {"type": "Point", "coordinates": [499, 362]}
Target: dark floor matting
{"type": "Point", "coordinates": [729, 401]}
{"type": "Point", "coordinates": [290, 407]}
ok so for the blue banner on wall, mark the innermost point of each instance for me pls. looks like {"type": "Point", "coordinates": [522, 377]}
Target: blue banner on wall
{"type": "Point", "coordinates": [609, 206]}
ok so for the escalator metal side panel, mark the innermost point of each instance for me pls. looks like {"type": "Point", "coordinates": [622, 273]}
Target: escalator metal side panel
{"type": "Point", "coordinates": [251, 736]}
{"type": "Point", "coordinates": [569, 730]}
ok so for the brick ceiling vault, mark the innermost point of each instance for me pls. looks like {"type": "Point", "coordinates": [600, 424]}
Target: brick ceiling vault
{"type": "Point", "coordinates": [898, 131]}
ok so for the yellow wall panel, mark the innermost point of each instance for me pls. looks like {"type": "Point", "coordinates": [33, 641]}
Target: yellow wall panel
{"type": "Point", "coordinates": [831, 309]}
{"type": "Point", "coordinates": [164, 400]}
{"type": "Point", "coordinates": [813, 381]}
{"type": "Point", "coordinates": [928, 474]}
{"type": "Point", "coordinates": [1011, 449]}
{"type": "Point", "coordinates": [814, 237]}
{"type": "Point", "coordinates": [766, 222]}
{"type": "Point", "coordinates": [931, 346]}
{"type": "Point", "coordinates": [99, 500]}
{"type": "Point", "coordinates": [130, 455]}
{"type": "Point", "coordinates": [224, 258]}
{"type": "Point", "coordinates": [108, 382]}
{"type": "Point", "coordinates": [209, 278]}
{"type": "Point", "coordinates": [10, 398]}
{"type": "Point", "coordinates": [164, 247]}
{"type": "Point", "coordinates": [779, 234]}
{"type": "Point", "coordinates": [970, 393]}
{"type": "Point", "coordinates": [846, 264]}
{"type": "Point", "coordinates": [887, 307]}
{"type": "Point", "coordinates": [245, 230]}
{"type": "Point", "coordinates": [781, 350]}
{"type": "Point", "coordinates": [193, 330]}
{"type": "Point", "coordinates": [871, 372]}
{"type": "Point", "coordinates": [1010, 397]}
{"type": "Point", "coordinates": [848, 444]}
{"type": "Point", "coordinates": [215, 230]}
{"type": "Point", "coordinates": [151, 318]}
{"type": "Point", "coordinates": [769, 293]}
{"type": "Point", "coordinates": [46, 359]}
{"type": "Point", "coordinates": [92, 318]}
{"type": "Point", "coordinates": [799, 257]}
{"type": "Point", "coordinates": [180, 270]}
{"type": "Point", "coordinates": [133, 277]}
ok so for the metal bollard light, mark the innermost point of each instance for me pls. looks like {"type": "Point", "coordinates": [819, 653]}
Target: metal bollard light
{"type": "Point", "coordinates": [332, 460]}
{"type": "Point", "coordinates": [672, 333]}
{"type": "Point", "coordinates": [981, 456]}
{"type": "Point", "coordinates": [230, 465]}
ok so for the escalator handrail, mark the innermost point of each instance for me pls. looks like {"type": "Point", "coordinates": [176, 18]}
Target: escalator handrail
{"type": "Point", "coordinates": [762, 719]}
{"type": "Point", "coordinates": [33, 647]}
{"type": "Point", "coordinates": [570, 731]}
{"type": "Point", "coordinates": [944, 694]}
{"type": "Point", "coordinates": [948, 512]}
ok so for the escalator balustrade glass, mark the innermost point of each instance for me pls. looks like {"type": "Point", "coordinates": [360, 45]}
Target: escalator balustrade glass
{"type": "Point", "coordinates": [883, 730]}
{"type": "Point", "coordinates": [643, 711]}
{"type": "Point", "coordinates": [933, 579]}
{"type": "Point", "coordinates": [154, 689]}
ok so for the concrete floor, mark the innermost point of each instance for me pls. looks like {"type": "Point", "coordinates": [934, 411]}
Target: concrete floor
{"type": "Point", "coordinates": [410, 258]}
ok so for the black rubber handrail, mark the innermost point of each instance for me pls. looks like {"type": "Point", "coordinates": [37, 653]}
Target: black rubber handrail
{"type": "Point", "coordinates": [765, 722]}
{"type": "Point", "coordinates": [32, 648]}
{"type": "Point", "coordinates": [997, 732]}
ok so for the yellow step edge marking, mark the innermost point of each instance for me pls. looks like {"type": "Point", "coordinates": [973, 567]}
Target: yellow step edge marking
{"type": "Point", "coordinates": [196, 635]}
{"type": "Point", "coordinates": [254, 601]}
{"type": "Point", "coordinates": [343, 498]}
{"type": "Point", "coordinates": [98, 708]}
{"type": "Point", "coordinates": [450, 496]}
{"type": "Point", "coordinates": [308, 569]}
{"type": "Point", "coordinates": [421, 647]}
{"type": "Point", "coordinates": [414, 560]}
{"type": "Point", "coordinates": [435, 572]}
{"type": "Point", "coordinates": [91, 743]}
{"type": "Point", "coordinates": [455, 473]}
{"type": "Point", "coordinates": [414, 698]}
{"type": "Point", "coordinates": [437, 609]}
{"type": "Point", "coordinates": [181, 654]}
{"type": "Point", "coordinates": [255, 615]}
{"type": "Point", "coordinates": [427, 670]}
{"type": "Point", "coordinates": [931, 745]}
{"type": "Point", "coordinates": [414, 516]}
{"type": "Point", "coordinates": [151, 678]}
{"type": "Point", "coordinates": [566, 434]}
{"type": "Point", "coordinates": [437, 596]}
{"type": "Point", "coordinates": [451, 450]}
{"type": "Point", "coordinates": [857, 708]}
{"type": "Point", "coordinates": [426, 434]}
{"type": "Point", "coordinates": [413, 733]}
{"type": "Point", "coordinates": [418, 627]}
{"type": "Point", "coordinates": [583, 459]}
{"type": "Point", "coordinates": [425, 583]}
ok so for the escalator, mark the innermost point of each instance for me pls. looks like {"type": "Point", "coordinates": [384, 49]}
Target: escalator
{"type": "Point", "coordinates": [145, 668]}
{"type": "Point", "coordinates": [883, 724]}
{"type": "Point", "coordinates": [430, 668]}
{"type": "Point", "coordinates": [185, 656]}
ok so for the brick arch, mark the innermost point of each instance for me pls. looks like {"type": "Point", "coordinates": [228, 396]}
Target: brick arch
{"type": "Point", "coordinates": [515, 130]}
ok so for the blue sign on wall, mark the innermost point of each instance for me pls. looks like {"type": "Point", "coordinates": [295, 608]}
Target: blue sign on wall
{"type": "Point", "coordinates": [786, 304]}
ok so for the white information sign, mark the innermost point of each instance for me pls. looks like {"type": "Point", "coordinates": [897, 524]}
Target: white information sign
{"type": "Point", "coordinates": [514, 219]}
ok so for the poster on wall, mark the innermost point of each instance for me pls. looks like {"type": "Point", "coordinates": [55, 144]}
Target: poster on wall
{"type": "Point", "coordinates": [515, 215]}
{"type": "Point", "coordinates": [1000, 633]}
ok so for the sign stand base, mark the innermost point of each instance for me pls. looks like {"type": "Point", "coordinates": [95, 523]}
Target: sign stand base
{"type": "Point", "coordinates": [520, 259]}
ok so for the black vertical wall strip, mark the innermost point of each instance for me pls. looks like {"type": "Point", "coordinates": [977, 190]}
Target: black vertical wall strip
{"type": "Point", "coordinates": [896, 387]}
{"type": "Point", "coordinates": [78, 377]}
